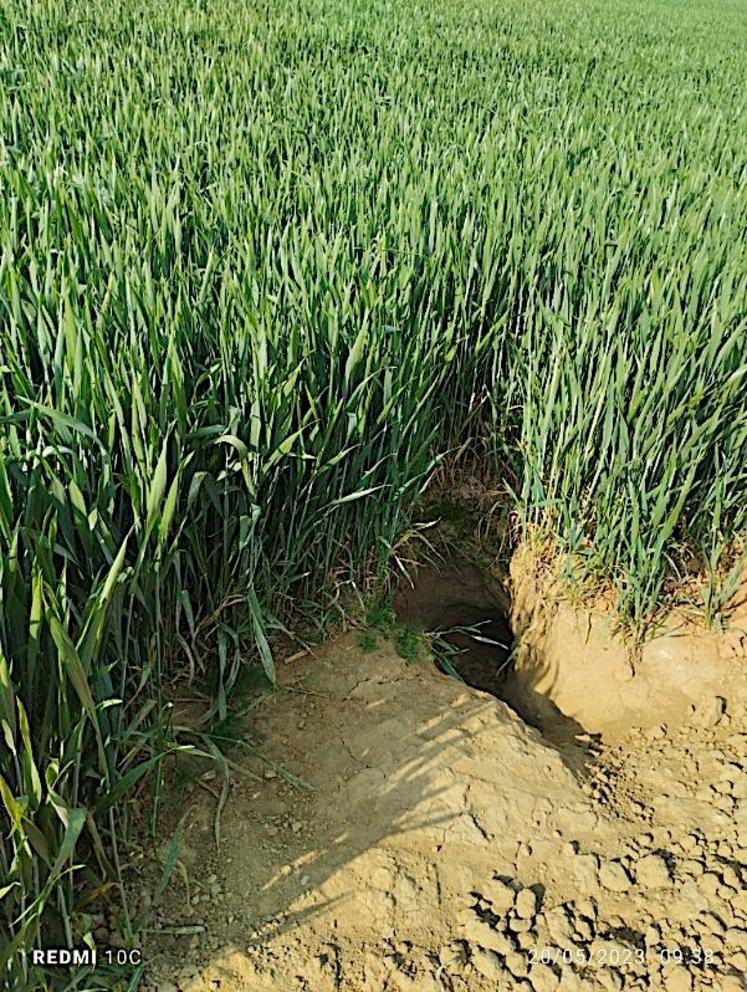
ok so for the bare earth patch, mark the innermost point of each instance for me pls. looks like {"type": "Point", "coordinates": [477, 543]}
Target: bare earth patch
{"type": "Point", "coordinates": [445, 845]}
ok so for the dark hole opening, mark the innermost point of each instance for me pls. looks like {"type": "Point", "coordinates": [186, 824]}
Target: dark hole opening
{"type": "Point", "coordinates": [455, 596]}
{"type": "Point", "coordinates": [458, 594]}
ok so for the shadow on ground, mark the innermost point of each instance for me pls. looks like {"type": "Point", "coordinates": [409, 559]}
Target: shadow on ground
{"type": "Point", "coordinates": [421, 791]}
{"type": "Point", "coordinates": [456, 595]}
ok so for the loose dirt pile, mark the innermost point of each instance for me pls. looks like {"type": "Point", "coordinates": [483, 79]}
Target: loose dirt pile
{"type": "Point", "coordinates": [445, 845]}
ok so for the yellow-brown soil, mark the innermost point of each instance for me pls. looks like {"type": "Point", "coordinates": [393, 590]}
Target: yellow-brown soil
{"type": "Point", "coordinates": [445, 845]}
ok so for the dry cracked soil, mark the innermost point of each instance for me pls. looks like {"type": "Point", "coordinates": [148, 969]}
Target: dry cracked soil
{"type": "Point", "coordinates": [444, 844]}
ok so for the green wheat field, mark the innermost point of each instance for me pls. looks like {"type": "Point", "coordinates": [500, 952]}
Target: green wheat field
{"type": "Point", "coordinates": [263, 266]}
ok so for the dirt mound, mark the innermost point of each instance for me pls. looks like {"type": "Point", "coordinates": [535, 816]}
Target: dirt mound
{"type": "Point", "coordinates": [444, 846]}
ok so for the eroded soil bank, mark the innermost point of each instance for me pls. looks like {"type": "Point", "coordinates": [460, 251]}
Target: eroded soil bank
{"type": "Point", "coordinates": [444, 845]}
{"type": "Point", "coordinates": [574, 657]}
